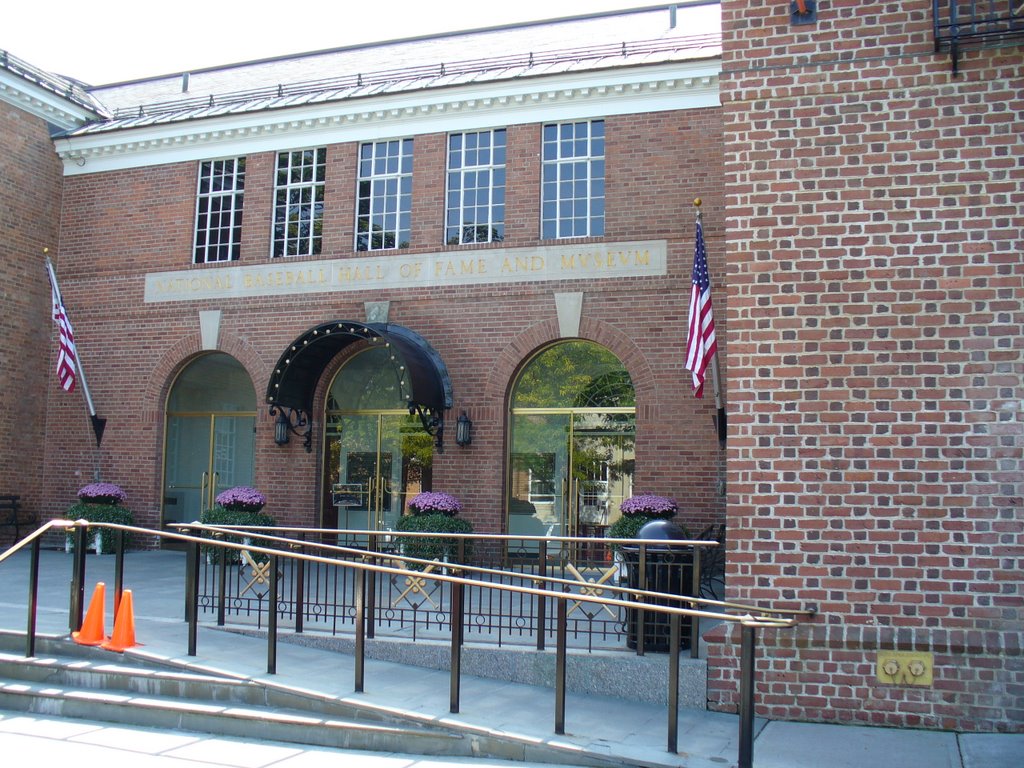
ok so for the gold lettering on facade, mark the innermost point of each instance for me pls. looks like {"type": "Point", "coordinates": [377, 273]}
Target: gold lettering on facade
{"type": "Point", "coordinates": [437, 269]}
{"type": "Point", "coordinates": [595, 260]}
{"type": "Point", "coordinates": [410, 269]}
{"type": "Point", "coordinates": [360, 273]}
{"type": "Point", "coordinates": [451, 268]}
{"type": "Point", "coordinates": [522, 264]}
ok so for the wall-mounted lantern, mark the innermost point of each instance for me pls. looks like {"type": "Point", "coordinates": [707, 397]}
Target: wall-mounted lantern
{"type": "Point", "coordinates": [463, 430]}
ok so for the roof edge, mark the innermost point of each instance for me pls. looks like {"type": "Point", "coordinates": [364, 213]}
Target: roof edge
{"type": "Point", "coordinates": [413, 39]}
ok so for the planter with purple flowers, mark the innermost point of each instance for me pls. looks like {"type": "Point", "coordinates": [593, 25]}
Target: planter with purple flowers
{"type": "Point", "coordinates": [437, 513]}
{"type": "Point", "coordinates": [100, 503]}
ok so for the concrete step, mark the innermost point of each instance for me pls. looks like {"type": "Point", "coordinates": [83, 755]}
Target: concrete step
{"type": "Point", "coordinates": [228, 719]}
{"type": "Point", "coordinates": [108, 674]}
{"type": "Point", "coordinates": [72, 681]}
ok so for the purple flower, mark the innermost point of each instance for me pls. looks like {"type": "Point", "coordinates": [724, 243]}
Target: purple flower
{"type": "Point", "coordinates": [241, 497]}
{"type": "Point", "coordinates": [427, 502]}
{"type": "Point", "coordinates": [649, 505]}
{"type": "Point", "coordinates": [102, 493]}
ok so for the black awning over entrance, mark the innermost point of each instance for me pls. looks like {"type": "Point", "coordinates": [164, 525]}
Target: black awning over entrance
{"type": "Point", "coordinates": [421, 371]}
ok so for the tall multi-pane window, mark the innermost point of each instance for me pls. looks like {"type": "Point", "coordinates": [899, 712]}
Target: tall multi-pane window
{"type": "Point", "coordinates": [299, 202]}
{"type": "Point", "coordinates": [219, 210]}
{"type": "Point", "coordinates": [384, 205]}
{"type": "Point", "coordinates": [572, 188]}
{"type": "Point", "coordinates": [476, 187]}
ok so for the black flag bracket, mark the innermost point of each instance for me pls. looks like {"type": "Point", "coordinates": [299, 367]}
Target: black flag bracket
{"type": "Point", "coordinates": [722, 427]}
{"type": "Point", "coordinates": [98, 426]}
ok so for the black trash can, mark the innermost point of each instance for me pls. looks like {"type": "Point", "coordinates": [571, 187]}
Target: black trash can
{"type": "Point", "coordinates": [669, 570]}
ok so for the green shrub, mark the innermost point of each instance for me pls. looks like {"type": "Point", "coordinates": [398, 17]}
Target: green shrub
{"type": "Point", "coordinates": [100, 513]}
{"type": "Point", "coordinates": [428, 548]}
{"type": "Point", "coordinates": [218, 515]}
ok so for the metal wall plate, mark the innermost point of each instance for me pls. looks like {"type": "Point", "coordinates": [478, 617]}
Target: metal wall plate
{"type": "Point", "coordinates": [905, 667]}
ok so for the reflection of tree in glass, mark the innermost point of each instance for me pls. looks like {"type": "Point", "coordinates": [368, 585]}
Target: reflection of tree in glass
{"type": "Point", "coordinates": [377, 239]}
{"type": "Point", "coordinates": [574, 374]}
{"type": "Point", "coordinates": [477, 233]}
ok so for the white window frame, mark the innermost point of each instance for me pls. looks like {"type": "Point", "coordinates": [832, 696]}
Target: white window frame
{"type": "Point", "coordinates": [299, 183]}
{"type": "Point", "coordinates": [572, 180]}
{"type": "Point", "coordinates": [384, 195]}
{"type": "Point", "coordinates": [228, 201]}
{"type": "Point", "coordinates": [471, 159]}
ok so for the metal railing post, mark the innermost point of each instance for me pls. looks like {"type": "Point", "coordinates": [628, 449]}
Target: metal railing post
{"type": "Point", "coordinates": [222, 585]}
{"type": "Point", "coordinates": [542, 618]}
{"type": "Point", "coordinates": [748, 658]}
{"type": "Point", "coordinates": [118, 570]}
{"type": "Point", "coordinates": [675, 637]}
{"type": "Point", "coordinates": [371, 587]}
{"type": "Point", "coordinates": [192, 597]}
{"type": "Point", "coordinates": [33, 600]}
{"type": "Point", "coordinates": [456, 657]}
{"type": "Point", "coordinates": [77, 607]}
{"type": "Point", "coordinates": [272, 619]}
{"type": "Point", "coordinates": [641, 618]}
{"type": "Point", "coordinates": [300, 590]}
{"type": "Point", "coordinates": [560, 661]}
{"type": "Point", "coordinates": [360, 619]}
{"type": "Point", "coordinates": [695, 591]}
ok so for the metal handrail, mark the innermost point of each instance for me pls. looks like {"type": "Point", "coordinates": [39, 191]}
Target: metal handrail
{"type": "Point", "coordinates": [252, 530]}
{"type": "Point", "coordinates": [749, 623]}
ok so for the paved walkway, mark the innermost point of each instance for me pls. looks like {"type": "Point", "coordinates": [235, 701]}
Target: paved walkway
{"type": "Point", "coordinates": [628, 731]}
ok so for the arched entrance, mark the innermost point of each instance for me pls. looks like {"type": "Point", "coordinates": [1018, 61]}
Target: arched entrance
{"type": "Point", "coordinates": [377, 455]}
{"type": "Point", "coordinates": [209, 435]}
{"type": "Point", "coordinates": [572, 442]}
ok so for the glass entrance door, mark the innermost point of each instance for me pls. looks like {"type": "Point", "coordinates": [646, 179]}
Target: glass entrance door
{"type": "Point", "coordinates": [377, 456]}
{"type": "Point", "coordinates": [206, 454]}
{"type": "Point", "coordinates": [209, 437]}
{"type": "Point", "coordinates": [375, 470]}
{"type": "Point", "coordinates": [572, 446]}
{"type": "Point", "coordinates": [570, 472]}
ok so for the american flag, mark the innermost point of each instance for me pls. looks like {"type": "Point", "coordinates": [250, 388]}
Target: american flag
{"type": "Point", "coordinates": [66, 360]}
{"type": "Point", "coordinates": [700, 343]}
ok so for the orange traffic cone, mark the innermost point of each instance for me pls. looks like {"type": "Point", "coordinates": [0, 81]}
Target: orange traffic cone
{"type": "Point", "coordinates": [92, 628]}
{"type": "Point", "coordinates": [124, 626]}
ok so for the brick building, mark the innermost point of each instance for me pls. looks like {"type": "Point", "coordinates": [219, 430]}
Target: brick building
{"type": "Point", "coordinates": [243, 250]}
{"type": "Point", "coordinates": [874, 211]}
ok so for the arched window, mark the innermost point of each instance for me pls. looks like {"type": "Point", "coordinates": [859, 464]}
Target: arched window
{"type": "Point", "coordinates": [573, 427]}
{"type": "Point", "coordinates": [209, 440]}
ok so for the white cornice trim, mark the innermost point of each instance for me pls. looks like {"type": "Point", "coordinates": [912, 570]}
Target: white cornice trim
{"type": "Point", "coordinates": [679, 85]}
{"type": "Point", "coordinates": [42, 103]}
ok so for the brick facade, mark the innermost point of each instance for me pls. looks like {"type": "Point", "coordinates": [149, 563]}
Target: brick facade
{"type": "Point", "coordinates": [874, 215]}
{"type": "Point", "coordinates": [30, 196]}
{"type": "Point", "coordinates": [120, 225]}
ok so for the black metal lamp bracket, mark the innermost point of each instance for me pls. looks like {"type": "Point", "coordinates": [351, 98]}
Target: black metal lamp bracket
{"type": "Point", "coordinates": [294, 419]}
{"type": "Point", "coordinates": [432, 421]}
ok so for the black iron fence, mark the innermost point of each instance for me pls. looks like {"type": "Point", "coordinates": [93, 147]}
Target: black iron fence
{"type": "Point", "coordinates": [320, 597]}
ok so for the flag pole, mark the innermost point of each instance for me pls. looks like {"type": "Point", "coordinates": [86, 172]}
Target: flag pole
{"type": "Point", "coordinates": [716, 376]}
{"type": "Point", "coordinates": [98, 424]}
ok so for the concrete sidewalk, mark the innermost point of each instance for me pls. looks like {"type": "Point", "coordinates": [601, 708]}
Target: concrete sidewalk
{"type": "Point", "coordinates": [625, 732]}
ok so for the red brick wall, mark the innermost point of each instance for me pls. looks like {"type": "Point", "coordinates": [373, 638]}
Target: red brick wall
{"type": "Point", "coordinates": [120, 225]}
{"type": "Point", "coordinates": [30, 190]}
{"type": "Point", "coordinates": [874, 218]}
